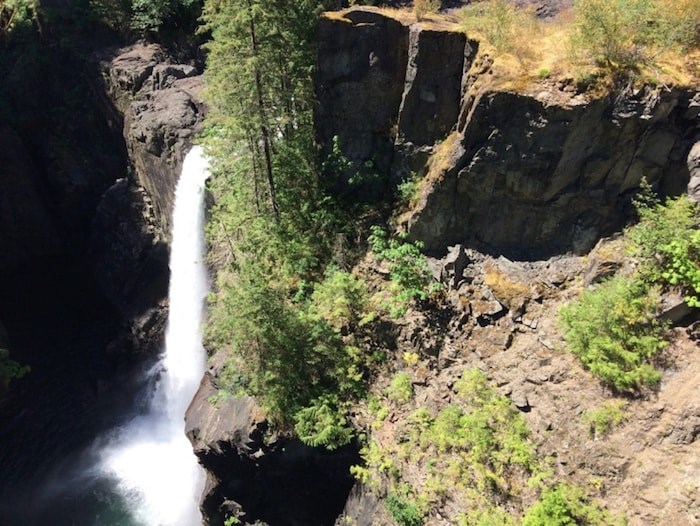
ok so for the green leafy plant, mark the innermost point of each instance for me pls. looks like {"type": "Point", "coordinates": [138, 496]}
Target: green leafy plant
{"type": "Point", "coordinates": [567, 505]}
{"type": "Point", "coordinates": [614, 331]}
{"type": "Point", "coordinates": [323, 424]}
{"type": "Point", "coordinates": [408, 190]}
{"type": "Point", "coordinates": [477, 447]}
{"type": "Point", "coordinates": [410, 276]}
{"type": "Point", "coordinates": [401, 388]}
{"type": "Point", "coordinates": [667, 241]}
{"type": "Point", "coordinates": [601, 421]}
{"type": "Point", "coordinates": [404, 512]}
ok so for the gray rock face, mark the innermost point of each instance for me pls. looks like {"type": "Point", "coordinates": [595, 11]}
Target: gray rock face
{"type": "Point", "coordinates": [257, 475]}
{"type": "Point", "coordinates": [530, 180]}
{"type": "Point", "coordinates": [694, 172]}
{"type": "Point", "coordinates": [157, 106]}
{"type": "Point", "coordinates": [387, 90]}
{"type": "Point", "coordinates": [527, 176]}
{"type": "Point", "coordinates": [131, 263]}
{"type": "Point", "coordinates": [359, 83]}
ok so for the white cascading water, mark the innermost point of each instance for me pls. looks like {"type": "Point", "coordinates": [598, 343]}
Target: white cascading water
{"type": "Point", "coordinates": [152, 461]}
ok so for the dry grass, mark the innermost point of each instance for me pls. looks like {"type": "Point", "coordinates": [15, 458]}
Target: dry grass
{"type": "Point", "coordinates": [436, 21]}
{"type": "Point", "coordinates": [528, 51]}
{"type": "Point", "coordinates": [443, 157]}
{"type": "Point", "coordinates": [508, 291]}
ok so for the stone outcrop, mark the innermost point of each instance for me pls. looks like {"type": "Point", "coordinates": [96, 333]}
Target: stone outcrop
{"type": "Point", "coordinates": [694, 172]}
{"type": "Point", "coordinates": [156, 104]}
{"type": "Point", "coordinates": [531, 179]}
{"type": "Point", "coordinates": [258, 475]}
{"type": "Point", "coordinates": [384, 85]}
{"type": "Point", "coordinates": [130, 261]}
{"type": "Point", "coordinates": [528, 175]}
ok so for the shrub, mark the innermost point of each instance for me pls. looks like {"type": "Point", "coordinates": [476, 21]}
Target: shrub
{"type": "Point", "coordinates": [494, 516]}
{"type": "Point", "coordinates": [614, 331]}
{"type": "Point", "coordinates": [404, 512]}
{"type": "Point", "coordinates": [408, 190]}
{"type": "Point", "coordinates": [401, 388]}
{"type": "Point", "coordinates": [340, 299]}
{"type": "Point", "coordinates": [425, 7]}
{"type": "Point", "coordinates": [667, 240]}
{"type": "Point", "coordinates": [567, 505]}
{"type": "Point", "coordinates": [323, 424]}
{"type": "Point", "coordinates": [411, 279]}
{"type": "Point", "coordinates": [624, 33]}
{"type": "Point", "coordinates": [602, 420]}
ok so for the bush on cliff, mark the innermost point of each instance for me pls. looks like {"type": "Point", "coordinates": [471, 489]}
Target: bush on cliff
{"type": "Point", "coordinates": [614, 328]}
{"type": "Point", "coordinates": [623, 34]}
{"type": "Point", "coordinates": [667, 241]}
{"type": "Point", "coordinates": [614, 331]}
{"type": "Point", "coordinates": [567, 505]}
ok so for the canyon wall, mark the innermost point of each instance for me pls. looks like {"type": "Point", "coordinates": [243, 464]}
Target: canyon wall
{"type": "Point", "coordinates": [525, 174]}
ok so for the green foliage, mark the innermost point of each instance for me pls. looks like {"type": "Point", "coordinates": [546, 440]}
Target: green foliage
{"type": "Point", "coordinates": [149, 16]}
{"type": "Point", "coordinates": [410, 276]}
{"type": "Point", "coordinates": [408, 190]}
{"type": "Point", "coordinates": [614, 328]}
{"type": "Point", "coordinates": [401, 388]}
{"type": "Point", "coordinates": [567, 505]}
{"type": "Point", "coordinates": [493, 516]}
{"type": "Point", "coordinates": [323, 424]}
{"type": "Point", "coordinates": [339, 299]}
{"type": "Point", "coordinates": [10, 369]}
{"type": "Point", "coordinates": [614, 331]}
{"type": "Point", "coordinates": [622, 34]}
{"type": "Point", "coordinates": [403, 511]}
{"type": "Point", "coordinates": [476, 448]}
{"type": "Point", "coordinates": [16, 13]}
{"type": "Point", "coordinates": [602, 420]}
{"type": "Point", "coordinates": [667, 240]}
{"type": "Point", "coordinates": [291, 330]}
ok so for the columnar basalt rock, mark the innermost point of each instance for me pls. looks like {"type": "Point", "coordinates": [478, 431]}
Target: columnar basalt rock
{"type": "Point", "coordinates": [528, 175]}
{"type": "Point", "coordinates": [564, 172]}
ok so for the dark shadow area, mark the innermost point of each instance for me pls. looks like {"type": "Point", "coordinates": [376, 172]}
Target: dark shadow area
{"type": "Point", "coordinates": [79, 386]}
{"type": "Point", "coordinates": [295, 485]}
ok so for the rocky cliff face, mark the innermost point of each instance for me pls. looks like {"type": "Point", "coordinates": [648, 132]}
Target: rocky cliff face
{"type": "Point", "coordinates": [156, 104]}
{"type": "Point", "coordinates": [528, 174]}
{"type": "Point", "coordinates": [153, 105]}
{"type": "Point", "coordinates": [387, 90]}
{"type": "Point", "coordinates": [255, 475]}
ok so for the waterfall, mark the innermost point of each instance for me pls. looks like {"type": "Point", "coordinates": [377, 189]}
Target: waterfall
{"type": "Point", "coordinates": [151, 459]}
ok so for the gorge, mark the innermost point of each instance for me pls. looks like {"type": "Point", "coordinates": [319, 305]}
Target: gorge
{"type": "Point", "coordinates": [518, 189]}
